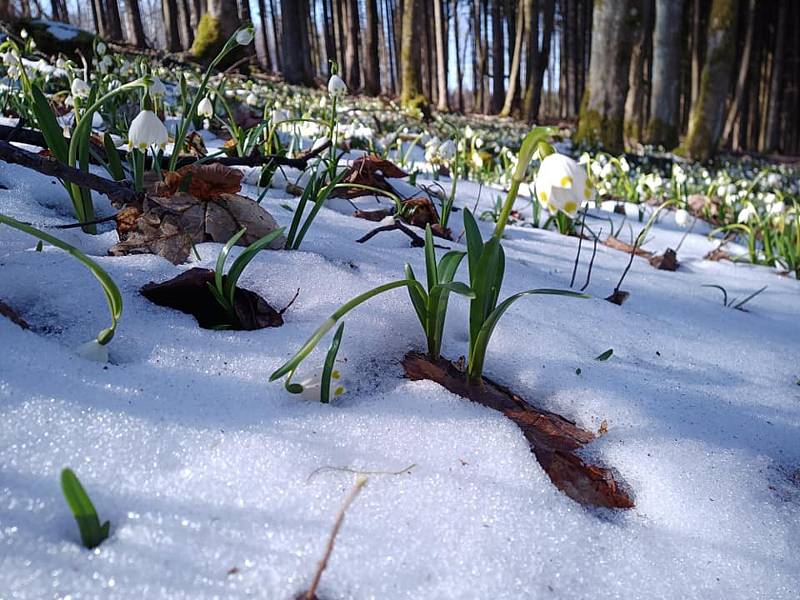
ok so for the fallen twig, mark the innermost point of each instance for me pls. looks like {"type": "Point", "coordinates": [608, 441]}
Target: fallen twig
{"type": "Point", "coordinates": [416, 240]}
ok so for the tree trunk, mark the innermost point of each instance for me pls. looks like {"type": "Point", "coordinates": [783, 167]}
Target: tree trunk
{"type": "Point", "coordinates": [540, 59]}
{"type": "Point", "coordinates": [352, 65]}
{"type": "Point", "coordinates": [522, 7]}
{"type": "Point", "coordinates": [479, 59]}
{"type": "Point", "coordinates": [663, 128]}
{"type": "Point", "coordinates": [262, 12]}
{"type": "Point", "coordinates": [772, 138]}
{"type": "Point", "coordinates": [637, 78]}
{"type": "Point", "coordinates": [100, 18]}
{"type": "Point", "coordinates": [498, 63]}
{"type": "Point", "coordinates": [409, 55]}
{"type": "Point", "coordinates": [459, 57]}
{"type": "Point", "coordinates": [741, 79]}
{"type": "Point", "coordinates": [442, 103]}
{"type": "Point", "coordinates": [276, 37]}
{"type": "Point", "coordinates": [114, 21]}
{"type": "Point", "coordinates": [708, 112]}
{"type": "Point", "coordinates": [171, 30]}
{"type": "Point", "coordinates": [136, 32]}
{"type": "Point", "coordinates": [603, 106]}
{"type": "Point", "coordinates": [296, 55]}
{"type": "Point", "coordinates": [697, 47]}
{"type": "Point", "coordinates": [372, 70]}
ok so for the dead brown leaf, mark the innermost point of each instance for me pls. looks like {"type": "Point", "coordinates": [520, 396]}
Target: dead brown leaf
{"type": "Point", "coordinates": [618, 244]}
{"type": "Point", "coordinates": [665, 262]}
{"type": "Point", "coordinates": [371, 171]}
{"type": "Point", "coordinates": [205, 182]}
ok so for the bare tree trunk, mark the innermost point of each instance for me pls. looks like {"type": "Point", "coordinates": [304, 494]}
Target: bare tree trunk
{"type": "Point", "coordinates": [540, 59]}
{"type": "Point", "coordinates": [100, 18]}
{"type": "Point", "coordinates": [296, 54]}
{"type": "Point", "coordinates": [708, 112]}
{"type": "Point", "coordinates": [522, 7]}
{"type": "Point", "coordinates": [187, 32]}
{"type": "Point", "coordinates": [372, 71]}
{"type": "Point", "coordinates": [262, 12]}
{"type": "Point", "coordinates": [442, 103]}
{"type": "Point", "coordinates": [664, 125]}
{"type": "Point", "coordinates": [637, 78]}
{"type": "Point", "coordinates": [603, 107]}
{"type": "Point", "coordinates": [114, 21]}
{"type": "Point", "coordinates": [170, 12]}
{"type": "Point", "coordinates": [459, 57]}
{"type": "Point", "coordinates": [741, 79]}
{"type": "Point", "coordinates": [697, 47]}
{"type": "Point", "coordinates": [772, 138]}
{"type": "Point", "coordinates": [479, 59]}
{"type": "Point", "coordinates": [135, 20]}
{"type": "Point", "coordinates": [498, 55]}
{"type": "Point", "coordinates": [409, 55]}
{"type": "Point", "coordinates": [276, 37]}
{"type": "Point", "coordinates": [352, 65]}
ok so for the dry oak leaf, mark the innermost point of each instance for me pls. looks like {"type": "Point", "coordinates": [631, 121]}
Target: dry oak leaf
{"type": "Point", "coordinates": [204, 182]}
{"type": "Point", "coordinates": [421, 212]}
{"type": "Point", "coordinates": [369, 170]}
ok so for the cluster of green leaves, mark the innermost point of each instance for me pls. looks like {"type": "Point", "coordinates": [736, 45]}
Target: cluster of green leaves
{"type": "Point", "coordinates": [224, 286]}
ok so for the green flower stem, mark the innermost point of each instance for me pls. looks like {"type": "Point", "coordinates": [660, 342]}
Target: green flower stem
{"type": "Point", "coordinates": [113, 296]}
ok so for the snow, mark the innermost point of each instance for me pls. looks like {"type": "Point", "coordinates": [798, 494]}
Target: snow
{"type": "Point", "coordinates": [202, 466]}
{"type": "Point", "coordinates": [61, 31]}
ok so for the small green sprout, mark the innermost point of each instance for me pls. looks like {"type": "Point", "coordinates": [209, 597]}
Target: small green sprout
{"type": "Point", "coordinates": [224, 287]}
{"type": "Point", "coordinates": [92, 532]}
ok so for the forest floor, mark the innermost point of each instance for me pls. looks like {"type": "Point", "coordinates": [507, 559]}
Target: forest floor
{"type": "Point", "coordinates": [219, 484]}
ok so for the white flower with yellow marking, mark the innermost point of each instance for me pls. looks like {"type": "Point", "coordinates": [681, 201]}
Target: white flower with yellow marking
{"type": "Point", "coordinates": [312, 386]}
{"type": "Point", "coordinates": [147, 131]}
{"type": "Point", "coordinates": [337, 86]}
{"type": "Point", "coordinates": [205, 108]}
{"type": "Point", "coordinates": [561, 185]}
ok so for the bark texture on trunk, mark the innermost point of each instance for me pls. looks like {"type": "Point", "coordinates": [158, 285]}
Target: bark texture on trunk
{"type": "Point", "coordinates": [603, 106]}
{"type": "Point", "coordinates": [708, 112]}
{"type": "Point", "coordinates": [409, 55]}
{"type": "Point", "coordinates": [664, 125]}
{"type": "Point", "coordinates": [296, 51]}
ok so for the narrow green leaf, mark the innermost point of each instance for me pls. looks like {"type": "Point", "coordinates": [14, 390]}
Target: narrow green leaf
{"type": "Point", "coordinates": [219, 269]}
{"type": "Point", "coordinates": [605, 355]}
{"type": "Point", "coordinates": [51, 130]}
{"type": "Point", "coordinates": [241, 262]}
{"type": "Point", "coordinates": [92, 532]}
{"type": "Point", "coordinates": [430, 259]}
{"type": "Point", "coordinates": [474, 243]}
{"type": "Point", "coordinates": [327, 370]}
{"type": "Point", "coordinates": [114, 164]}
{"type": "Point", "coordinates": [112, 293]}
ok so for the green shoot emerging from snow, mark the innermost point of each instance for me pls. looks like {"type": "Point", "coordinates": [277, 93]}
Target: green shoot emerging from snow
{"type": "Point", "coordinates": [224, 287]}
{"type": "Point", "coordinates": [92, 532]}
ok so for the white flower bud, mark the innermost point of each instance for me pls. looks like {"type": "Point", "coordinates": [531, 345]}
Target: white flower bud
{"type": "Point", "coordinates": [337, 86]}
{"type": "Point", "coordinates": [80, 89]}
{"type": "Point", "coordinates": [205, 108]}
{"type": "Point", "coordinates": [245, 36]}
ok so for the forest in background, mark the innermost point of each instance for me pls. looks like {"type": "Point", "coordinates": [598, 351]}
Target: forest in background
{"type": "Point", "coordinates": [694, 76]}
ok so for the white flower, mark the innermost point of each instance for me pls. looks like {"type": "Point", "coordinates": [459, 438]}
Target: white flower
{"type": "Point", "coordinates": [561, 184]}
{"type": "Point", "coordinates": [61, 63]}
{"type": "Point", "coordinates": [10, 58]}
{"type": "Point", "coordinates": [337, 86]}
{"type": "Point", "coordinates": [14, 72]}
{"type": "Point", "coordinates": [101, 48]}
{"type": "Point", "coordinates": [157, 88]}
{"type": "Point", "coordinates": [682, 217]}
{"type": "Point", "coordinates": [747, 213]}
{"type": "Point", "coordinates": [447, 150]}
{"type": "Point", "coordinates": [244, 36]}
{"type": "Point", "coordinates": [147, 130]}
{"type": "Point", "coordinates": [80, 89]}
{"type": "Point", "coordinates": [93, 350]}
{"type": "Point", "coordinates": [252, 99]}
{"type": "Point", "coordinates": [24, 34]}
{"type": "Point", "coordinates": [312, 386]}
{"type": "Point", "coordinates": [776, 208]}
{"type": "Point", "coordinates": [205, 108]}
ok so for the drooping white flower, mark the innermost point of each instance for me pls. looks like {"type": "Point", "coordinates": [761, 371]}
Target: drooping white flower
{"type": "Point", "coordinates": [337, 86]}
{"type": "Point", "coordinates": [93, 350]}
{"type": "Point", "coordinates": [101, 48]}
{"type": "Point", "coordinates": [10, 58]}
{"type": "Point", "coordinates": [157, 88]}
{"type": "Point", "coordinates": [561, 185]}
{"type": "Point", "coordinates": [747, 213]}
{"type": "Point", "coordinates": [80, 89]}
{"type": "Point", "coordinates": [24, 34]}
{"type": "Point", "coordinates": [245, 36]}
{"type": "Point", "coordinates": [312, 386]}
{"type": "Point", "coordinates": [251, 100]}
{"type": "Point", "coordinates": [146, 131]}
{"type": "Point", "coordinates": [682, 217]}
{"type": "Point", "coordinates": [776, 208]}
{"type": "Point", "coordinates": [61, 63]}
{"type": "Point", "coordinates": [447, 150]}
{"type": "Point", "coordinates": [205, 108]}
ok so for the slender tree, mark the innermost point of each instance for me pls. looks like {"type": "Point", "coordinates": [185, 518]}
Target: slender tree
{"type": "Point", "coordinates": [296, 55]}
{"type": "Point", "coordinates": [664, 125]}
{"type": "Point", "coordinates": [352, 64]}
{"type": "Point", "coordinates": [171, 25]}
{"type": "Point", "coordinates": [603, 106]}
{"type": "Point", "coordinates": [410, 88]}
{"type": "Point", "coordinates": [708, 111]}
{"type": "Point", "coordinates": [136, 29]}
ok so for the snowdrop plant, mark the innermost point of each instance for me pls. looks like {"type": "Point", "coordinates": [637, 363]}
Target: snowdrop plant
{"type": "Point", "coordinates": [242, 37]}
{"type": "Point", "coordinates": [562, 188]}
{"type": "Point", "coordinates": [224, 287]}
{"type": "Point", "coordinates": [96, 349]}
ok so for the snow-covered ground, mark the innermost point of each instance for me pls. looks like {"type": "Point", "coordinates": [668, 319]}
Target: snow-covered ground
{"type": "Point", "coordinates": [203, 467]}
